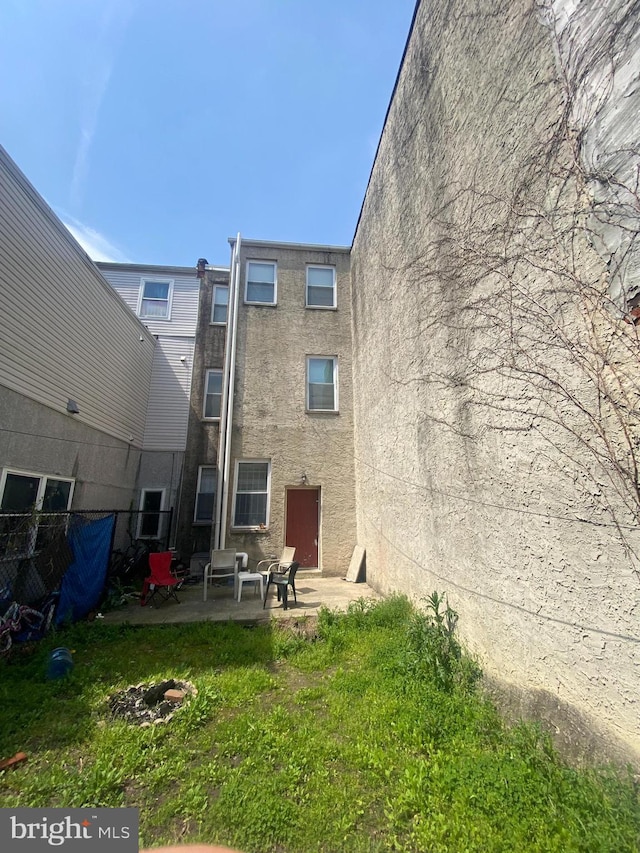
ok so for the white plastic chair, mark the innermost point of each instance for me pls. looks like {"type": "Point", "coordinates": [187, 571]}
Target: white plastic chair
{"type": "Point", "coordinates": [223, 565]}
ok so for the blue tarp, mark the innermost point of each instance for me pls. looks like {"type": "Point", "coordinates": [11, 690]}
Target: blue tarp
{"type": "Point", "coordinates": [84, 580]}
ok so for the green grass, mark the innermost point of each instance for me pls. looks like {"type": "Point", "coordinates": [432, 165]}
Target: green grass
{"type": "Point", "coordinates": [368, 736]}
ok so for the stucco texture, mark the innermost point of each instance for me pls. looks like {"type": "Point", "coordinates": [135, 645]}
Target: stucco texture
{"type": "Point", "coordinates": [202, 435]}
{"type": "Point", "coordinates": [494, 392]}
{"type": "Point", "coordinates": [34, 438]}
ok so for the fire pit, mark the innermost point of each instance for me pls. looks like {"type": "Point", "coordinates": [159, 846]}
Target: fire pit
{"type": "Point", "coordinates": [150, 704]}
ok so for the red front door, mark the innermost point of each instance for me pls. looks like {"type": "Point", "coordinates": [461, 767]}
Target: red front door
{"type": "Point", "coordinates": [303, 507]}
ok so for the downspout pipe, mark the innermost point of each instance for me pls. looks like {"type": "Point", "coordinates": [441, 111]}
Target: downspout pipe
{"type": "Point", "coordinates": [226, 423]}
{"type": "Point", "coordinates": [222, 437]}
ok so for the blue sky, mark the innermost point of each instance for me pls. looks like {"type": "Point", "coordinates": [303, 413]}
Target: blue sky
{"type": "Point", "coordinates": [156, 129]}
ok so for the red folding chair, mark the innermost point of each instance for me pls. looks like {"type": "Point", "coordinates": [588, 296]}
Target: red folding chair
{"type": "Point", "coordinates": [161, 580]}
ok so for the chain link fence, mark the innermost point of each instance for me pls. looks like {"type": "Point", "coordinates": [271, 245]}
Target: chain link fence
{"type": "Point", "coordinates": [35, 554]}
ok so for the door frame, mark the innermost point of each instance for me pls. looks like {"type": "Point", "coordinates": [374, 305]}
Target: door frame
{"type": "Point", "coordinates": [310, 488]}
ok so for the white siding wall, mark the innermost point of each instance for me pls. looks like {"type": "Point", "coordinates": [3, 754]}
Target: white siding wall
{"type": "Point", "coordinates": [126, 280]}
{"type": "Point", "coordinates": [168, 412]}
{"type": "Point", "coordinates": [64, 333]}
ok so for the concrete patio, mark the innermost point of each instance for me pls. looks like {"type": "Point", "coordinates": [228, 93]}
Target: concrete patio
{"type": "Point", "coordinates": [313, 592]}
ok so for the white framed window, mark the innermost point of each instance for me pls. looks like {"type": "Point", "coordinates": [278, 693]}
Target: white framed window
{"type": "Point", "coordinates": [251, 493]}
{"type": "Point", "coordinates": [321, 286]}
{"type": "Point", "coordinates": [219, 304]}
{"type": "Point", "coordinates": [26, 492]}
{"type": "Point", "coordinates": [22, 491]}
{"type": "Point", "coordinates": [322, 383]}
{"type": "Point", "coordinates": [150, 515]}
{"type": "Point", "coordinates": [205, 494]}
{"type": "Point", "coordinates": [212, 395]}
{"type": "Point", "coordinates": [154, 302]}
{"type": "Point", "coordinates": [261, 284]}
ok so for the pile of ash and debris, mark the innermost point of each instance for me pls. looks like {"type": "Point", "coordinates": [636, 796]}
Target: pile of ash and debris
{"type": "Point", "coordinates": [150, 704]}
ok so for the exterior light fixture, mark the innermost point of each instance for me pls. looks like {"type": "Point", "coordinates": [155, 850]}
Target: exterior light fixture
{"type": "Point", "coordinates": [303, 479]}
{"type": "Point", "coordinates": [72, 407]}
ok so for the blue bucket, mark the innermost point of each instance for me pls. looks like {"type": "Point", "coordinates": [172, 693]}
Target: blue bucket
{"type": "Point", "coordinates": [60, 663]}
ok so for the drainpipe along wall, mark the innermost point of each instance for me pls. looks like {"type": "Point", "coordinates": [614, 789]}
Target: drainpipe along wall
{"type": "Point", "coordinates": [226, 421]}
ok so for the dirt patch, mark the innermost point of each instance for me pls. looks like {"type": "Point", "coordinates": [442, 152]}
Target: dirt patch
{"type": "Point", "coordinates": [305, 627]}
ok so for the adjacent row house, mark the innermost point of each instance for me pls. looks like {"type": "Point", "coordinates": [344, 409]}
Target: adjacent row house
{"type": "Point", "coordinates": [165, 299]}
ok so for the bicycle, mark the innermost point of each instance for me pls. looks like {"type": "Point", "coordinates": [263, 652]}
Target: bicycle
{"type": "Point", "coordinates": [132, 564]}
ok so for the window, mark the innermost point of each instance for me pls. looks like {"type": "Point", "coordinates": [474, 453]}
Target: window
{"type": "Point", "coordinates": [219, 304]}
{"type": "Point", "coordinates": [212, 394]}
{"type": "Point", "coordinates": [149, 517]}
{"type": "Point", "coordinates": [155, 299]}
{"type": "Point", "coordinates": [205, 494]}
{"type": "Point", "coordinates": [261, 283]}
{"type": "Point", "coordinates": [321, 287]}
{"type": "Point", "coordinates": [251, 501]}
{"type": "Point", "coordinates": [22, 492]}
{"type": "Point", "coordinates": [322, 384]}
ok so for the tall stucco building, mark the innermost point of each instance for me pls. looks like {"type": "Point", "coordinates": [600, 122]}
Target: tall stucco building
{"type": "Point", "coordinates": [276, 410]}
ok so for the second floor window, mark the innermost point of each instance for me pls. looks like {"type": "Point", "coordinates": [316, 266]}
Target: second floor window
{"type": "Point", "coordinates": [213, 394]}
{"type": "Point", "coordinates": [322, 384]}
{"type": "Point", "coordinates": [155, 299]}
{"type": "Point", "coordinates": [261, 283]}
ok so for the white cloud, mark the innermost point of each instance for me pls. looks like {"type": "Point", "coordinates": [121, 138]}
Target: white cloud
{"type": "Point", "coordinates": [96, 74]}
{"type": "Point", "coordinates": [95, 244]}
{"type": "Point", "coordinates": [87, 132]}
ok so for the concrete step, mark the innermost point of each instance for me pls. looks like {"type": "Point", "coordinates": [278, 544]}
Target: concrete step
{"type": "Point", "coordinates": [309, 573]}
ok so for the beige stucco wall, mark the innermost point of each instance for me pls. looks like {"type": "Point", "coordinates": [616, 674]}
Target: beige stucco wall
{"type": "Point", "coordinates": [270, 421]}
{"type": "Point", "coordinates": [495, 393]}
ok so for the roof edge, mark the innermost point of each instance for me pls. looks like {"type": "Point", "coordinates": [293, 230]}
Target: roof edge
{"type": "Point", "coordinates": [115, 265]}
{"type": "Point", "coordinates": [268, 244]}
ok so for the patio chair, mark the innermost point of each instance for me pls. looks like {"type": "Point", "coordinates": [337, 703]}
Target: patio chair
{"type": "Point", "coordinates": [161, 581]}
{"type": "Point", "coordinates": [282, 582]}
{"type": "Point", "coordinates": [223, 564]}
{"type": "Point", "coordinates": [275, 565]}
